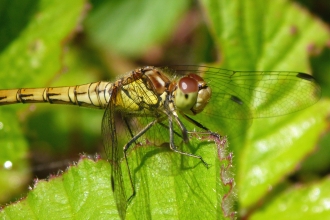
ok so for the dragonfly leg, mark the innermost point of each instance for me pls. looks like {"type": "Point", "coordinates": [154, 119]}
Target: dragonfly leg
{"type": "Point", "coordinates": [175, 149]}
{"type": "Point", "coordinates": [207, 131]}
{"type": "Point", "coordinates": [183, 129]}
{"type": "Point", "coordinates": [167, 128]}
{"type": "Point", "coordinates": [126, 147]}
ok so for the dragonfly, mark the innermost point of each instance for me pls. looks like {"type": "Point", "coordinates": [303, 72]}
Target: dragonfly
{"type": "Point", "coordinates": [162, 104]}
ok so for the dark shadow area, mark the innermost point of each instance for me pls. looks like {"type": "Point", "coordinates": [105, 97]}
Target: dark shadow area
{"type": "Point", "coordinates": [14, 19]}
{"type": "Point", "coordinates": [319, 7]}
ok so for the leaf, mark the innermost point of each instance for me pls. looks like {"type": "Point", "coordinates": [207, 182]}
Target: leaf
{"type": "Point", "coordinates": [319, 161]}
{"type": "Point", "coordinates": [37, 51]}
{"type": "Point", "coordinates": [270, 156]}
{"type": "Point", "coordinates": [181, 188]}
{"type": "Point", "coordinates": [132, 27]}
{"type": "Point", "coordinates": [13, 153]}
{"type": "Point", "coordinates": [81, 192]}
{"type": "Point", "coordinates": [300, 202]}
{"type": "Point", "coordinates": [31, 55]}
{"type": "Point", "coordinates": [269, 36]}
{"type": "Point", "coordinates": [170, 185]}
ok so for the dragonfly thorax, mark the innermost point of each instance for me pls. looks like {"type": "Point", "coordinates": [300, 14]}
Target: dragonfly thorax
{"type": "Point", "coordinates": [192, 94]}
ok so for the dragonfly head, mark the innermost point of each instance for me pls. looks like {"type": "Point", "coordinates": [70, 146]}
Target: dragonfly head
{"type": "Point", "coordinates": [192, 94]}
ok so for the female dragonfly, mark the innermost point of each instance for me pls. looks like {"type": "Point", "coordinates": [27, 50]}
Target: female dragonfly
{"type": "Point", "coordinates": [163, 109]}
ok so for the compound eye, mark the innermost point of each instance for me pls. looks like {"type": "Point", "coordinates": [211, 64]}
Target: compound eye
{"type": "Point", "coordinates": [188, 85]}
{"type": "Point", "coordinates": [196, 77]}
{"type": "Point", "coordinates": [186, 94]}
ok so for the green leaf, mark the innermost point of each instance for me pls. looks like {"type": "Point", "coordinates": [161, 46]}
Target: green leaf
{"type": "Point", "coordinates": [319, 161]}
{"type": "Point", "coordinates": [37, 51]}
{"type": "Point", "coordinates": [82, 192]}
{"type": "Point", "coordinates": [268, 36]}
{"type": "Point", "coordinates": [132, 27]}
{"type": "Point", "coordinates": [268, 156]}
{"type": "Point", "coordinates": [170, 185]}
{"type": "Point", "coordinates": [259, 35]}
{"type": "Point", "coordinates": [300, 202]}
{"type": "Point", "coordinates": [167, 185]}
{"type": "Point", "coordinates": [13, 153]}
{"type": "Point", "coordinates": [30, 55]}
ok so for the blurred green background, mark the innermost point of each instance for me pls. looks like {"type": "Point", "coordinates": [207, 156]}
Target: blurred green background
{"type": "Point", "coordinates": [52, 43]}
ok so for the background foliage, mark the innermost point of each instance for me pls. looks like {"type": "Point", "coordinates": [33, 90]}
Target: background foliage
{"type": "Point", "coordinates": [281, 164]}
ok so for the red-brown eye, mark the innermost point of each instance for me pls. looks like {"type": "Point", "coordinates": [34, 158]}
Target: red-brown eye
{"type": "Point", "coordinates": [188, 85]}
{"type": "Point", "coordinates": [192, 94]}
{"type": "Point", "coordinates": [196, 77]}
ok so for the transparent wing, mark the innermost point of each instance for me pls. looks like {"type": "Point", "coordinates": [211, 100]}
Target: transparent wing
{"type": "Point", "coordinates": [114, 155]}
{"type": "Point", "coordinates": [138, 93]}
{"type": "Point", "coordinates": [244, 95]}
{"type": "Point", "coordinates": [119, 126]}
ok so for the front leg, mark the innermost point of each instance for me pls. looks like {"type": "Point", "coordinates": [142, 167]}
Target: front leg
{"type": "Point", "coordinates": [172, 144]}
{"type": "Point", "coordinates": [126, 147]}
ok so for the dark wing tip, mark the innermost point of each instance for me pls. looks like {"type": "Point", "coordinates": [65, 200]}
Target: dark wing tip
{"type": "Point", "coordinates": [305, 76]}
{"type": "Point", "coordinates": [236, 99]}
